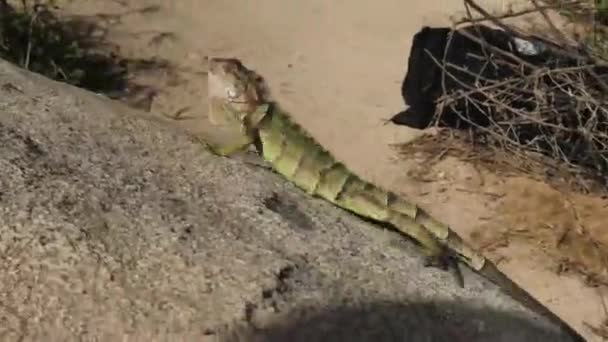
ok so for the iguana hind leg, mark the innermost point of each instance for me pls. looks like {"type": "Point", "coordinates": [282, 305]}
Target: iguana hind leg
{"type": "Point", "coordinates": [437, 255]}
{"type": "Point", "coordinates": [362, 203]}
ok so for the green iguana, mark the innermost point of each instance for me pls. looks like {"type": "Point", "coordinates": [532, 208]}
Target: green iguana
{"type": "Point", "coordinates": [243, 117]}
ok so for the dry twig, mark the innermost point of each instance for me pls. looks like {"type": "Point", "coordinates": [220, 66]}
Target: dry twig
{"type": "Point", "coordinates": [551, 109]}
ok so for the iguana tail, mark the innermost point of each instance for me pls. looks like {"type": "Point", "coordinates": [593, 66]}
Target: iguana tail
{"type": "Point", "coordinates": [483, 266]}
{"type": "Point", "coordinates": [492, 273]}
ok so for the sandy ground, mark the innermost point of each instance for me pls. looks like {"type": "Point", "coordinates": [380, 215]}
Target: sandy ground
{"type": "Point", "coordinates": [338, 66]}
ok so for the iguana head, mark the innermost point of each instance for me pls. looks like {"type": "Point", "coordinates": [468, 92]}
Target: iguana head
{"type": "Point", "coordinates": [235, 94]}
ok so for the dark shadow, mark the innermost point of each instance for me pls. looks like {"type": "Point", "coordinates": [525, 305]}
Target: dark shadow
{"type": "Point", "coordinates": [74, 50]}
{"type": "Point", "coordinates": [387, 321]}
{"type": "Point", "coordinates": [287, 208]}
{"type": "Point", "coordinates": [468, 61]}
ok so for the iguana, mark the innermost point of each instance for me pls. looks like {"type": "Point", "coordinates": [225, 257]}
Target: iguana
{"type": "Point", "coordinates": [243, 117]}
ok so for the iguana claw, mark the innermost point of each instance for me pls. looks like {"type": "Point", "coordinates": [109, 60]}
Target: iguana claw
{"type": "Point", "coordinates": [446, 263]}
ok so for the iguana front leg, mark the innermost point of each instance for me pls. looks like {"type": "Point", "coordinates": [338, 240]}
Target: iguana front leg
{"type": "Point", "coordinates": [227, 133]}
{"type": "Point", "coordinates": [223, 150]}
{"type": "Point", "coordinates": [236, 149]}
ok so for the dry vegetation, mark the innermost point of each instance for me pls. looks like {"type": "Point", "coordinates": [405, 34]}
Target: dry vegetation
{"type": "Point", "coordinates": [549, 116]}
{"type": "Point", "coordinates": [71, 49]}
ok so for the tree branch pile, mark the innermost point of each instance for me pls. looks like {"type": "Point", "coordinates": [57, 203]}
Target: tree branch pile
{"type": "Point", "coordinates": [549, 104]}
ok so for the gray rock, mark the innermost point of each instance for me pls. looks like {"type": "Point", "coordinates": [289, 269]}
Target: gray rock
{"type": "Point", "coordinates": [116, 226]}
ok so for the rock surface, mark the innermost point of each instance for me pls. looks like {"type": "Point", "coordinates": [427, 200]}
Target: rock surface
{"type": "Point", "coordinates": [115, 226]}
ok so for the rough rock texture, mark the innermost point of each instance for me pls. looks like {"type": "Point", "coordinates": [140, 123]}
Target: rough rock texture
{"type": "Point", "coordinates": [116, 226]}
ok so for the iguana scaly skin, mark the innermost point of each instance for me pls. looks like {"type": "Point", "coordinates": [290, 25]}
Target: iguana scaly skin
{"type": "Point", "coordinates": [238, 109]}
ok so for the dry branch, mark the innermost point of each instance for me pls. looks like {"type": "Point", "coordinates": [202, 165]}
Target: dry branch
{"type": "Point", "coordinates": [552, 107]}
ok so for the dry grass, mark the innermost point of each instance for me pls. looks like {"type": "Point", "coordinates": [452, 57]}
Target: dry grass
{"type": "Point", "coordinates": [72, 49]}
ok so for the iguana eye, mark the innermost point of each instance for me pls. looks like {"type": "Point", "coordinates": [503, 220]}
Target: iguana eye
{"type": "Point", "coordinates": [231, 93]}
